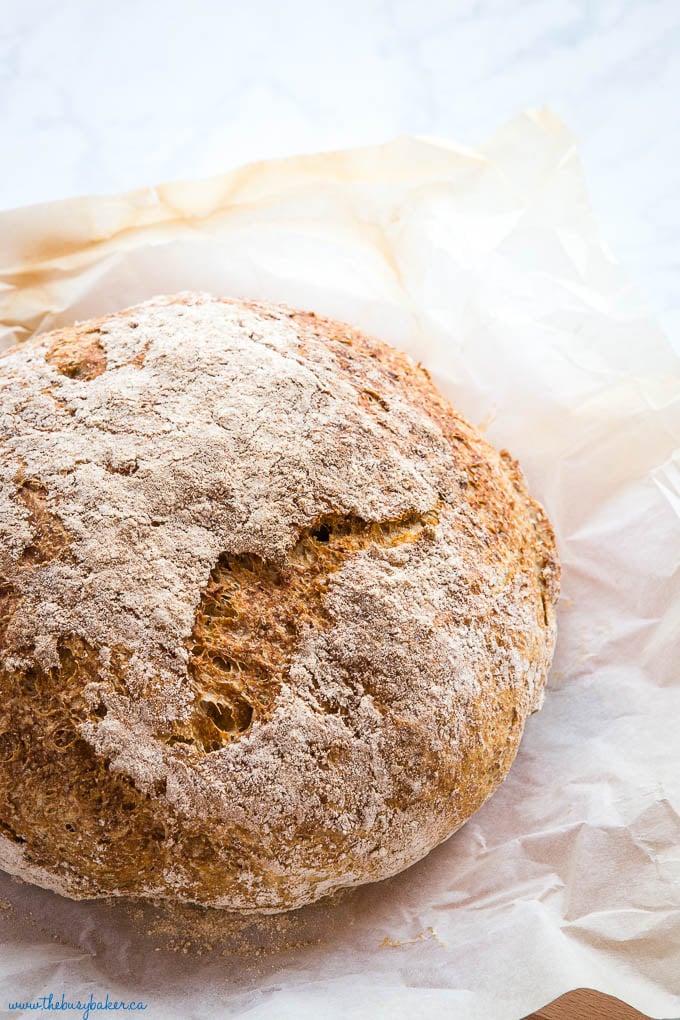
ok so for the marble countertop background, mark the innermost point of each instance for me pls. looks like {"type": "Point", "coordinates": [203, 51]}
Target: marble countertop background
{"type": "Point", "coordinates": [98, 97]}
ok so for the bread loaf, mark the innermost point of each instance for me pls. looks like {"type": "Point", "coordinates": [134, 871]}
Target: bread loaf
{"type": "Point", "coordinates": [272, 614]}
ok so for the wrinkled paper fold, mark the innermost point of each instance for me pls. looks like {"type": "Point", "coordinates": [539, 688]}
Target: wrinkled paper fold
{"type": "Point", "coordinates": [486, 266]}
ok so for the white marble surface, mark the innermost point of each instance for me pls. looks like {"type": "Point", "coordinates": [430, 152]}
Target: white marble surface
{"type": "Point", "coordinates": [98, 97]}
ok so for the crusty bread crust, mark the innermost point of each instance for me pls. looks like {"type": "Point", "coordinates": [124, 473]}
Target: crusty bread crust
{"type": "Point", "coordinates": [272, 614]}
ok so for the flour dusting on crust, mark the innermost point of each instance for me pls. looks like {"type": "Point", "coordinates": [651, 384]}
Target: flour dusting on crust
{"type": "Point", "coordinates": [145, 448]}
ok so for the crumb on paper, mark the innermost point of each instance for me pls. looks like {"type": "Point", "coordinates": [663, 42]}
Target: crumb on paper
{"type": "Point", "coordinates": [429, 935]}
{"type": "Point", "coordinates": [488, 419]}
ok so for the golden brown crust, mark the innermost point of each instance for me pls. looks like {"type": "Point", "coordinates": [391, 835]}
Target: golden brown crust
{"type": "Point", "coordinates": [304, 648]}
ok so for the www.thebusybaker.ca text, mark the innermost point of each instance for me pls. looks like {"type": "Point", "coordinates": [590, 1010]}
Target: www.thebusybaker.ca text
{"type": "Point", "coordinates": [84, 1007]}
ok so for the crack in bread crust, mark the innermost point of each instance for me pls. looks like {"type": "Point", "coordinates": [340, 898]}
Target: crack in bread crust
{"type": "Point", "coordinates": [252, 614]}
{"type": "Point", "coordinates": [78, 353]}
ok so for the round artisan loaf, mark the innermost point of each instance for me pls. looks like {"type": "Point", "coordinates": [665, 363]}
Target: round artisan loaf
{"type": "Point", "coordinates": [272, 614]}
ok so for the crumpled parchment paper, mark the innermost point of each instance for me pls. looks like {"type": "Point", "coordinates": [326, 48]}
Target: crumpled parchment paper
{"type": "Point", "coordinates": [487, 266]}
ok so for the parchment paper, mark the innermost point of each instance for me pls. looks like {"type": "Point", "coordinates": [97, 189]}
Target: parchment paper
{"type": "Point", "coordinates": [486, 266]}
